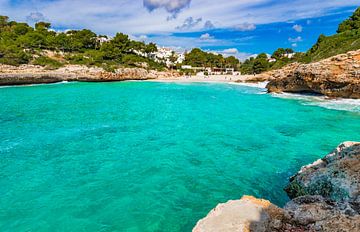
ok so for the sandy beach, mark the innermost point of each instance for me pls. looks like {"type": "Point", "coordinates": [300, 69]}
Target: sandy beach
{"type": "Point", "coordinates": [212, 78]}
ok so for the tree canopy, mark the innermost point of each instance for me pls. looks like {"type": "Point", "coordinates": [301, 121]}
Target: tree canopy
{"type": "Point", "coordinates": [21, 44]}
{"type": "Point", "coordinates": [353, 23]}
{"type": "Point", "coordinates": [198, 58]}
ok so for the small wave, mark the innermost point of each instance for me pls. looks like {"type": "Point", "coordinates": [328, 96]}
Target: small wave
{"type": "Point", "coordinates": [352, 105]}
{"type": "Point", "coordinates": [261, 85]}
{"type": "Point", "coordinates": [32, 85]}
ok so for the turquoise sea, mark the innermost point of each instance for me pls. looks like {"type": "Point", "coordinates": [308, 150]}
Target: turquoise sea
{"type": "Point", "coordinates": [148, 156]}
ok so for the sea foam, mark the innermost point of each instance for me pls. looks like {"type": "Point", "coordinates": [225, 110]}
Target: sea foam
{"type": "Point", "coordinates": [352, 105]}
{"type": "Point", "coordinates": [261, 85]}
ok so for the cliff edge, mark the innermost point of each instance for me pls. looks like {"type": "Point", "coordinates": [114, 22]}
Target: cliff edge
{"type": "Point", "coordinates": [338, 76]}
{"type": "Point", "coordinates": [33, 74]}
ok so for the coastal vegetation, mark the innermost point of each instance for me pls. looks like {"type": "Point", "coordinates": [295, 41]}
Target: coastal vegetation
{"type": "Point", "coordinates": [198, 58]}
{"type": "Point", "coordinates": [263, 62]}
{"type": "Point", "coordinates": [23, 44]}
{"type": "Point", "coordinates": [346, 39]}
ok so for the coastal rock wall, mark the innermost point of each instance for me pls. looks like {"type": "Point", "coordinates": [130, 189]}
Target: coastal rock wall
{"type": "Point", "coordinates": [338, 76]}
{"type": "Point", "coordinates": [325, 197]}
{"type": "Point", "coordinates": [30, 74]}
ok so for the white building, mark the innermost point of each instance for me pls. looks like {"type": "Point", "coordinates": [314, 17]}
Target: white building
{"type": "Point", "coordinates": [165, 54]}
{"type": "Point", "coordinates": [271, 60]}
{"type": "Point", "coordinates": [103, 39]}
{"type": "Point", "coordinates": [289, 55]}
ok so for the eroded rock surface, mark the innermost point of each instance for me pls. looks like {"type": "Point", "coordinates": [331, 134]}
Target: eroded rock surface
{"type": "Point", "coordinates": [336, 176]}
{"type": "Point", "coordinates": [325, 197]}
{"type": "Point", "coordinates": [338, 76]}
{"type": "Point", "coordinates": [31, 74]}
{"type": "Point", "coordinates": [247, 214]}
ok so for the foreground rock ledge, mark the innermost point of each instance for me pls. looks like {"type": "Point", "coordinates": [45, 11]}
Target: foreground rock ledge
{"type": "Point", "coordinates": [338, 76]}
{"type": "Point", "coordinates": [325, 197]}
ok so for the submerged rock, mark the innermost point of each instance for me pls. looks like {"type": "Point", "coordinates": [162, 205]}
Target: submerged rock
{"type": "Point", "coordinates": [338, 76]}
{"type": "Point", "coordinates": [325, 198]}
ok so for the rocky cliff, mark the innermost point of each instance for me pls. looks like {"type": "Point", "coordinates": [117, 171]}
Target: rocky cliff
{"type": "Point", "coordinates": [325, 197]}
{"type": "Point", "coordinates": [338, 76]}
{"type": "Point", "coordinates": [30, 74]}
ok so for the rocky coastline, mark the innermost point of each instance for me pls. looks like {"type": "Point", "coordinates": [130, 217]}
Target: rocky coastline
{"type": "Point", "coordinates": [325, 196]}
{"type": "Point", "coordinates": [335, 77]}
{"type": "Point", "coordinates": [338, 77]}
{"type": "Point", "coordinates": [32, 74]}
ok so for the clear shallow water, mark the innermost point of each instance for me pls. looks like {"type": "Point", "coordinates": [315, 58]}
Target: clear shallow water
{"type": "Point", "coordinates": [142, 156]}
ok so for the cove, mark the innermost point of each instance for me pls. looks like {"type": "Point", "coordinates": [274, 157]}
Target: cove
{"type": "Point", "coordinates": [149, 156]}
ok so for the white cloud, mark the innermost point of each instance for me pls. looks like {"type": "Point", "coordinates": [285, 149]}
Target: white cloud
{"type": "Point", "coordinates": [230, 51]}
{"type": "Point", "coordinates": [295, 40]}
{"type": "Point", "coordinates": [209, 25]}
{"type": "Point", "coordinates": [189, 23]}
{"type": "Point", "coordinates": [235, 52]}
{"type": "Point", "coordinates": [294, 45]}
{"type": "Point", "coordinates": [245, 27]}
{"type": "Point", "coordinates": [135, 17]}
{"type": "Point", "coordinates": [171, 6]}
{"type": "Point", "coordinates": [298, 28]}
{"type": "Point", "coordinates": [34, 17]}
{"type": "Point", "coordinates": [206, 36]}
{"type": "Point", "coordinates": [141, 38]}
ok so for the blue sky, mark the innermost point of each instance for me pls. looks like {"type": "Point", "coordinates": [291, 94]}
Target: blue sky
{"type": "Point", "coordinates": [236, 27]}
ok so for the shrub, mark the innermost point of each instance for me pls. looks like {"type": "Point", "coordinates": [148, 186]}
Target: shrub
{"type": "Point", "coordinates": [47, 62]}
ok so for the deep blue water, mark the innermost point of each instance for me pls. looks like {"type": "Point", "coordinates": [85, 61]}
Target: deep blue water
{"type": "Point", "coordinates": [147, 156]}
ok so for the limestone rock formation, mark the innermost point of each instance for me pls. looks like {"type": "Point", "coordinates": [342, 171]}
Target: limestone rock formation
{"type": "Point", "coordinates": [338, 76]}
{"type": "Point", "coordinates": [30, 74]}
{"type": "Point", "coordinates": [335, 177]}
{"type": "Point", "coordinates": [325, 198]}
{"type": "Point", "coordinates": [247, 214]}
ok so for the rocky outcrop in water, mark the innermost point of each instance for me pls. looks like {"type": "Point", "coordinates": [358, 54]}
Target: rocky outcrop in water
{"type": "Point", "coordinates": [325, 197]}
{"type": "Point", "coordinates": [336, 176]}
{"type": "Point", "coordinates": [338, 76]}
{"type": "Point", "coordinates": [30, 74]}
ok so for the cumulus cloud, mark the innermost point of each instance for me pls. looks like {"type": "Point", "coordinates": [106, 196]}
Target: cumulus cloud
{"type": "Point", "coordinates": [34, 17]}
{"type": "Point", "coordinates": [171, 6]}
{"type": "Point", "coordinates": [245, 27]}
{"type": "Point", "coordinates": [189, 23]}
{"type": "Point", "coordinates": [235, 52]}
{"type": "Point", "coordinates": [141, 38]}
{"type": "Point", "coordinates": [295, 40]}
{"type": "Point", "coordinates": [298, 28]}
{"type": "Point", "coordinates": [230, 51]}
{"type": "Point", "coordinates": [209, 25]}
{"type": "Point", "coordinates": [294, 45]}
{"type": "Point", "coordinates": [206, 36]}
